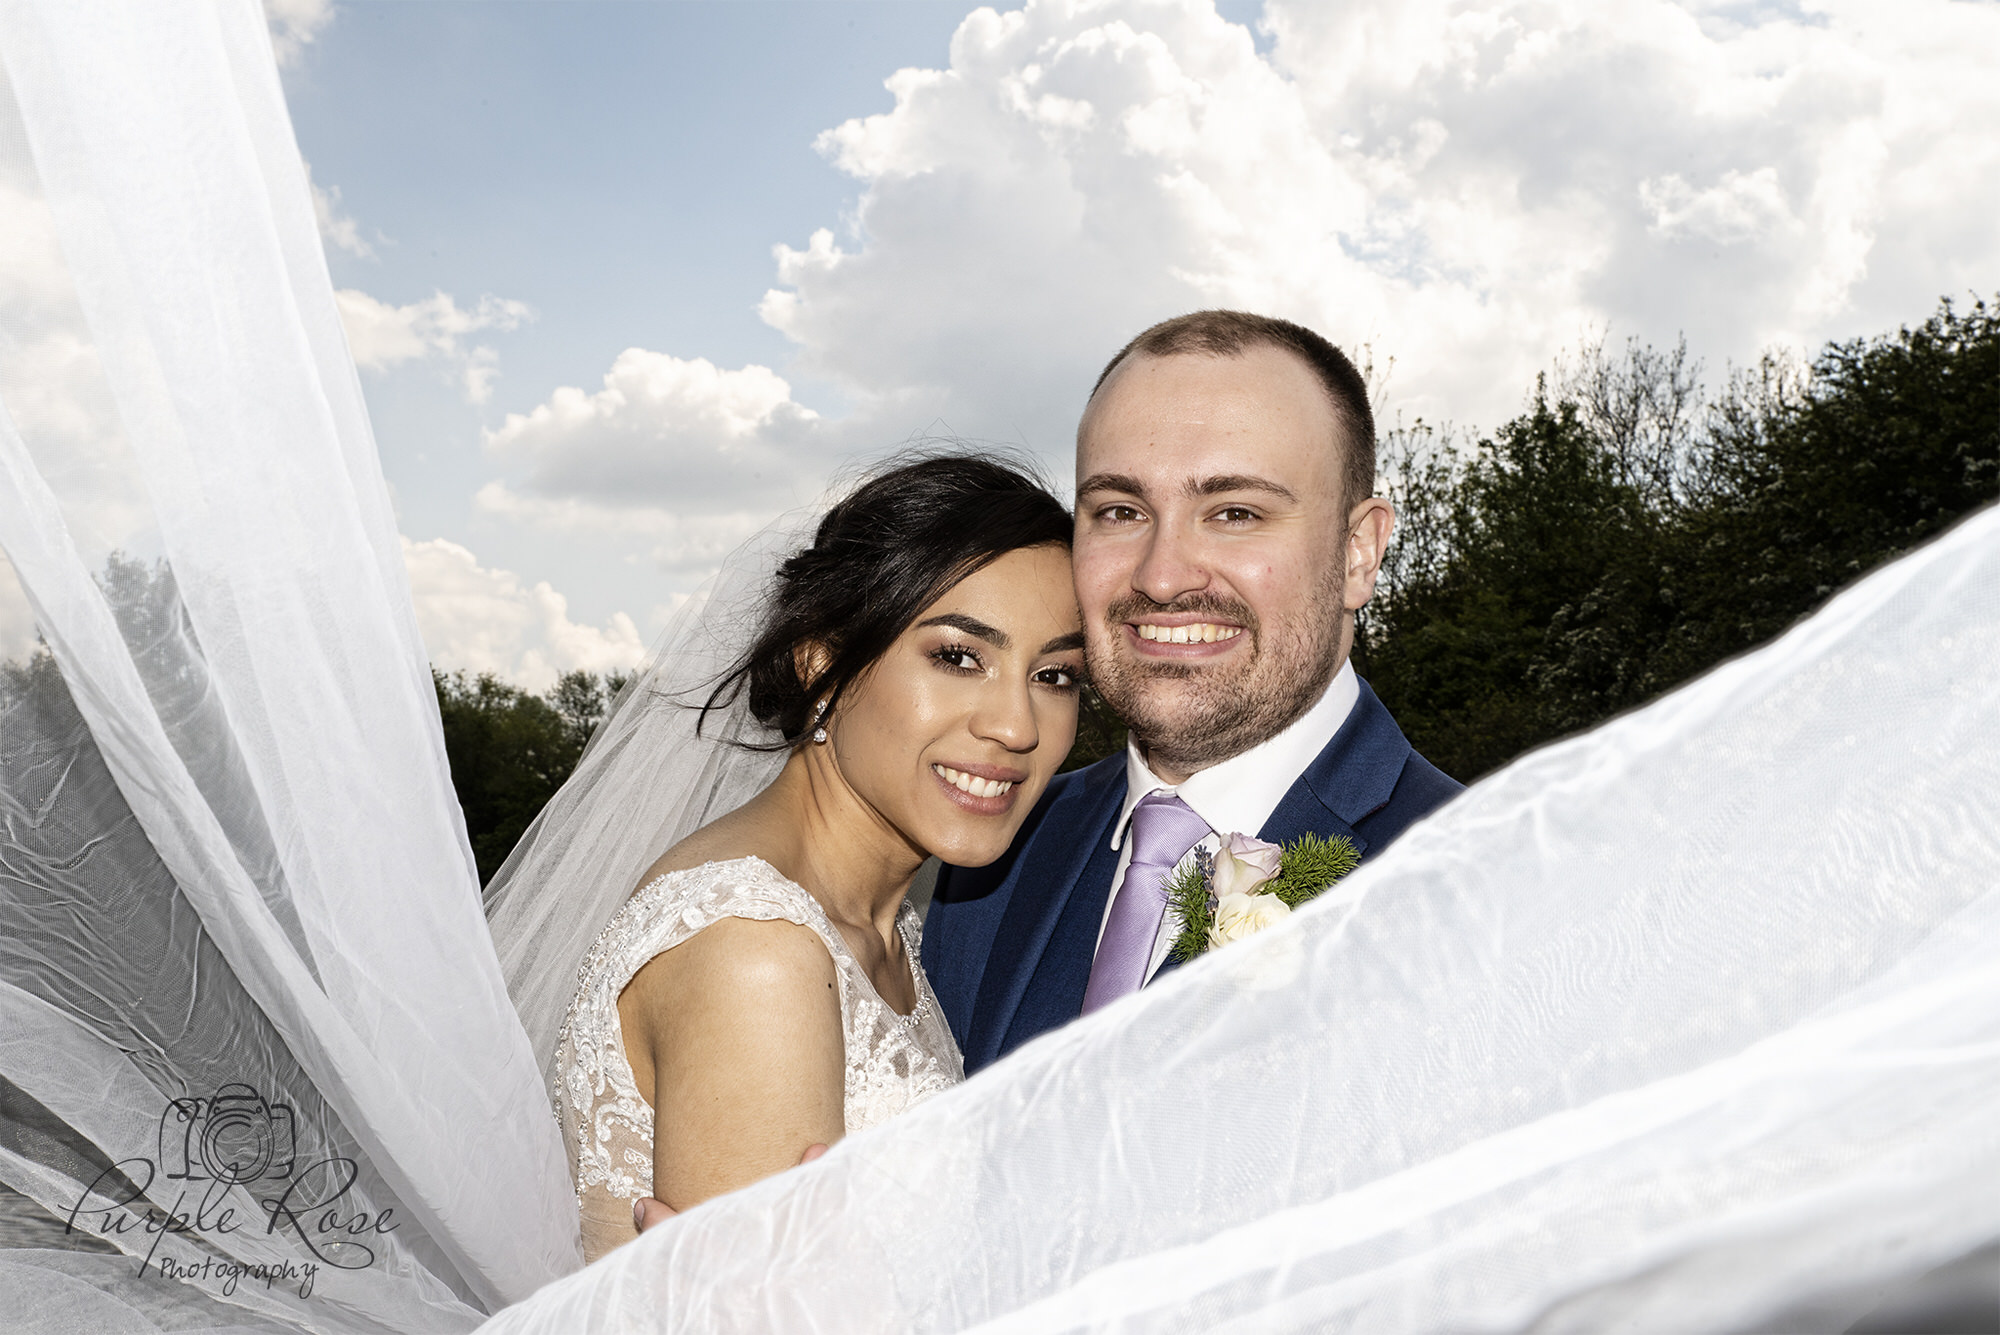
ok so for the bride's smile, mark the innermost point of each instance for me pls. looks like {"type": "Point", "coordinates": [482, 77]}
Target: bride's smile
{"type": "Point", "coordinates": [976, 785]}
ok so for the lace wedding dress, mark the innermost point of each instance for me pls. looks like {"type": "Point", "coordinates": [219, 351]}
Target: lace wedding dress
{"type": "Point", "coordinates": [893, 1061]}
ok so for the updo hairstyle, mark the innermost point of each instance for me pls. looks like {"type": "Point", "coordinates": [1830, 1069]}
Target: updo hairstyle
{"type": "Point", "coordinates": [884, 553]}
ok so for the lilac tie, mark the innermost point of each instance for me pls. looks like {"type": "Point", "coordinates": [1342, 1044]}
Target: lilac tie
{"type": "Point", "coordinates": [1164, 828]}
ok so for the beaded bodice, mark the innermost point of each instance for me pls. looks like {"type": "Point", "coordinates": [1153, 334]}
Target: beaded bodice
{"type": "Point", "coordinates": [893, 1061]}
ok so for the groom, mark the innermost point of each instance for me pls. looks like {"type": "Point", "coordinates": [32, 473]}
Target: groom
{"type": "Point", "coordinates": [1226, 533]}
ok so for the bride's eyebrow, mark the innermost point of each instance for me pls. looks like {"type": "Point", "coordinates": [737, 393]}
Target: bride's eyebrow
{"type": "Point", "coordinates": [972, 626]}
{"type": "Point", "coordinates": [1064, 643]}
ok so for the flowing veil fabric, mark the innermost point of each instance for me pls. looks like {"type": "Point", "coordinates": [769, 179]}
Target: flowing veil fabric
{"type": "Point", "coordinates": [254, 1041]}
{"type": "Point", "coordinates": [656, 771]}
{"type": "Point", "coordinates": [1689, 1023]}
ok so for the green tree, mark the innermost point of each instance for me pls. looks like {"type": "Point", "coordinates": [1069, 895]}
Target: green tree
{"type": "Point", "coordinates": [1625, 534]}
{"type": "Point", "coordinates": [511, 750]}
{"type": "Point", "coordinates": [1809, 480]}
{"type": "Point", "coordinates": [1540, 596]}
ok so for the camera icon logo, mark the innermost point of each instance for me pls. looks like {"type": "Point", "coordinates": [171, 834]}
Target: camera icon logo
{"type": "Point", "coordinates": [234, 1137]}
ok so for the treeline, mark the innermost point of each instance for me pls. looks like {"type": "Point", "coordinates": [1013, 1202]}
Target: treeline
{"type": "Point", "coordinates": [510, 749]}
{"type": "Point", "coordinates": [1629, 531]}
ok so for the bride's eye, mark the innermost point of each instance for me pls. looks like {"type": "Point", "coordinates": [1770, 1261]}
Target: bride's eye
{"type": "Point", "coordinates": [958, 658]}
{"type": "Point", "coordinates": [1058, 676]}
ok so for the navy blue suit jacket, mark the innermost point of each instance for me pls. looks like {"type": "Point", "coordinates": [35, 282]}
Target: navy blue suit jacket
{"type": "Point", "coordinates": [1008, 947]}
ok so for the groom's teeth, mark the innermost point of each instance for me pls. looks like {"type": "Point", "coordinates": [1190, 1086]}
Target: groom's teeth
{"type": "Point", "coordinates": [1203, 632]}
{"type": "Point", "coordinates": [972, 783]}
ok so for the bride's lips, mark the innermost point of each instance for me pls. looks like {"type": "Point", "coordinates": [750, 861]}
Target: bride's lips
{"type": "Point", "coordinates": [985, 790]}
{"type": "Point", "coordinates": [1182, 636]}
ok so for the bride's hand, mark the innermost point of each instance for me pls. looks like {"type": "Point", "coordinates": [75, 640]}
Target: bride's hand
{"type": "Point", "coordinates": [647, 1212]}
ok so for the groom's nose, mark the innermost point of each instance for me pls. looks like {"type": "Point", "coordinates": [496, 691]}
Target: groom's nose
{"type": "Point", "coordinates": [1169, 566]}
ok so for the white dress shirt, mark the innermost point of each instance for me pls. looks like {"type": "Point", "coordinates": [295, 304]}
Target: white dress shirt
{"type": "Point", "coordinates": [1236, 796]}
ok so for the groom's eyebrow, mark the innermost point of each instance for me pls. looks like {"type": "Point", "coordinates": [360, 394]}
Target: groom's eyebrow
{"type": "Point", "coordinates": [972, 626]}
{"type": "Point", "coordinates": [1131, 486]}
{"type": "Point", "coordinates": [1197, 487]}
{"type": "Point", "coordinates": [1216, 486]}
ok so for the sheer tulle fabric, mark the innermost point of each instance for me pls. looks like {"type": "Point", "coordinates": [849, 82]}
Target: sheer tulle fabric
{"type": "Point", "coordinates": [244, 959]}
{"type": "Point", "coordinates": [1681, 1025]}
{"type": "Point", "coordinates": [1690, 1023]}
{"type": "Point", "coordinates": [655, 772]}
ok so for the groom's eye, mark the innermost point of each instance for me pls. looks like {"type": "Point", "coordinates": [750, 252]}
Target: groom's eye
{"type": "Point", "coordinates": [1118, 514]}
{"type": "Point", "coordinates": [1236, 514]}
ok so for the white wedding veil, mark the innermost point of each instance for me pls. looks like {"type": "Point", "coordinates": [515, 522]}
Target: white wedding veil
{"type": "Point", "coordinates": [659, 768]}
{"type": "Point", "coordinates": [258, 1067]}
{"type": "Point", "coordinates": [1690, 1023]}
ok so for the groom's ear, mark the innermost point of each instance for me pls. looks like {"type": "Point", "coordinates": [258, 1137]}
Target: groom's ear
{"type": "Point", "coordinates": [1368, 527]}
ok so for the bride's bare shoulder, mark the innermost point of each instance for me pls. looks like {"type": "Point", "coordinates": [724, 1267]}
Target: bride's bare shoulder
{"type": "Point", "coordinates": [740, 992]}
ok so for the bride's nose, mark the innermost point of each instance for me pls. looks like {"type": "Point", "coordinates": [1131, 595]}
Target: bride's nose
{"type": "Point", "coordinates": [1006, 714]}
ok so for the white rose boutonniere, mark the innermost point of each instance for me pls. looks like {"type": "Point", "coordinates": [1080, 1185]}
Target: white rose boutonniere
{"type": "Point", "coordinates": [1243, 865]}
{"type": "Point", "coordinates": [1247, 885]}
{"type": "Point", "coordinates": [1239, 916]}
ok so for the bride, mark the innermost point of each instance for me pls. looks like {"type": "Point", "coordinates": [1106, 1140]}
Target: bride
{"type": "Point", "coordinates": [760, 993]}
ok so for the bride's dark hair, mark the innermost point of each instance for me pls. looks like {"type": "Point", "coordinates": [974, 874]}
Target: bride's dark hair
{"type": "Point", "coordinates": [889, 549]}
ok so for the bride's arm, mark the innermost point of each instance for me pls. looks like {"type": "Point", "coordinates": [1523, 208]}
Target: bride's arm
{"type": "Point", "coordinates": [736, 1032]}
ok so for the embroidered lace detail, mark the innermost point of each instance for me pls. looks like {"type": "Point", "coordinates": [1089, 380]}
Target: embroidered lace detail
{"type": "Point", "coordinates": [893, 1061]}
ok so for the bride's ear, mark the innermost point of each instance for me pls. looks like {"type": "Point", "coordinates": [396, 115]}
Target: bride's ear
{"type": "Point", "coordinates": [810, 660]}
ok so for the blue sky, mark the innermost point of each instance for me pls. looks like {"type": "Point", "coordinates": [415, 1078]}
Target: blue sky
{"type": "Point", "coordinates": [623, 168]}
{"type": "Point", "coordinates": [627, 279]}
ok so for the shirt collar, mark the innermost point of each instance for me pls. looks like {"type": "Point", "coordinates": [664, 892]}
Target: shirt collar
{"type": "Point", "coordinates": [1238, 795]}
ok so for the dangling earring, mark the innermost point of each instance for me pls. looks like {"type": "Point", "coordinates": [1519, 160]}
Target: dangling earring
{"type": "Point", "coordinates": [819, 732]}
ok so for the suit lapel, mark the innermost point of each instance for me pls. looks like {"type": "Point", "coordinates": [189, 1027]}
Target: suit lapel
{"type": "Point", "coordinates": [1352, 777]}
{"type": "Point", "coordinates": [1053, 995]}
{"type": "Point", "coordinates": [1067, 852]}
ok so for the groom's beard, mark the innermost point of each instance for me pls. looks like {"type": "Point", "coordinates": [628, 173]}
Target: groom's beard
{"type": "Point", "coordinates": [1189, 716]}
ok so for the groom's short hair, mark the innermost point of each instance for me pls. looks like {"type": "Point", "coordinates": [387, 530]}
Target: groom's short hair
{"type": "Point", "coordinates": [1230, 333]}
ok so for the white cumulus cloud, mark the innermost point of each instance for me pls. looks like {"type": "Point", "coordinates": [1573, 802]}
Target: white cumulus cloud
{"type": "Point", "coordinates": [382, 336]}
{"type": "Point", "coordinates": [691, 544]}
{"type": "Point", "coordinates": [659, 433]}
{"type": "Point", "coordinates": [1463, 186]}
{"type": "Point", "coordinates": [1742, 206]}
{"type": "Point", "coordinates": [337, 228]}
{"type": "Point", "coordinates": [294, 25]}
{"type": "Point", "coordinates": [478, 619]}
{"type": "Point", "coordinates": [53, 383]}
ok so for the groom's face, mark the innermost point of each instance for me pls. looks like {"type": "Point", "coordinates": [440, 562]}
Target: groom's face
{"type": "Point", "coordinates": [1211, 546]}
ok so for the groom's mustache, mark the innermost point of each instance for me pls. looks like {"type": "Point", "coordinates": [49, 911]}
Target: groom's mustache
{"type": "Point", "coordinates": [1215, 607]}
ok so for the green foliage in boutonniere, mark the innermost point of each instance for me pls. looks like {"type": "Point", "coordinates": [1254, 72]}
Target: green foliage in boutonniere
{"type": "Point", "coordinates": [1304, 869]}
